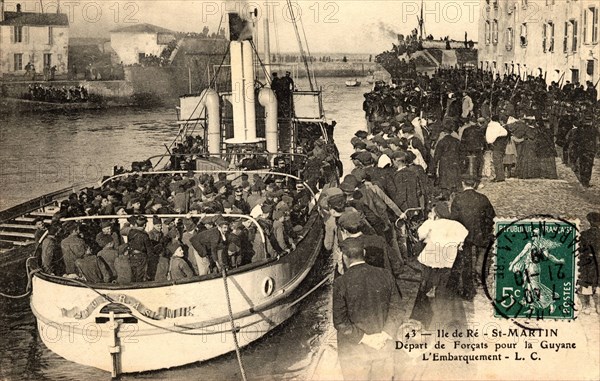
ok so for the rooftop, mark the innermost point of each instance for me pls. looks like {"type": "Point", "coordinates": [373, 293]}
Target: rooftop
{"type": "Point", "coordinates": [35, 19]}
{"type": "Point", "coordinates": [143, 28]}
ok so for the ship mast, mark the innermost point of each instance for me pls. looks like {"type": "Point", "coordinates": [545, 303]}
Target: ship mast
{"type": "Point", "coordinates": [421, 23]}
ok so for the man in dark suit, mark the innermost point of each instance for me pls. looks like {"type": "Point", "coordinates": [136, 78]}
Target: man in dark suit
{"type": "Point", "coordinates": [472, 143]}
{"type": "Point", "coordinates": [404, 187]}
{"type": "Point", "coordinates": [210, 242]}
{"type": "Point", "coordinates": [476, 213]}
{"type": "Point", "coordinates": [366, 310]}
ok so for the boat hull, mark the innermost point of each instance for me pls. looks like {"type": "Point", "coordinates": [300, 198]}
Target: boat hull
{"type": "Point", "coordinates": [145, 352]}
{"type": "Point", "coordinates": [175, 324]}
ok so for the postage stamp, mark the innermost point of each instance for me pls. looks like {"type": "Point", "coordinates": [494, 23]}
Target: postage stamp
{"type": "Point", "coordinates": [535, 269]}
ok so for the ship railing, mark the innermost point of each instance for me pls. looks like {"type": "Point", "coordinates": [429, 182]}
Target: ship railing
{"type": "Point", "coordinates": [182, 216]}
{"type": "Point", "coordinates": [234, 156]}
{"type": "Point", "coordinates": [39, 203]}
{"type": "Point", "coordinates": [238, 174]}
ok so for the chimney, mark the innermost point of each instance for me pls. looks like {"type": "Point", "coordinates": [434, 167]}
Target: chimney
{"type": "Point", "coordinates": [243, 97]}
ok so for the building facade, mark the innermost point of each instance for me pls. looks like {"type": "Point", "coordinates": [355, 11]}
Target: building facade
{"type": "Point", "coordinates": [558, 39]}
{"type": "Point", "coordinates": [38, 39]}
{"type": "Point", "coordinates": [132, 44]}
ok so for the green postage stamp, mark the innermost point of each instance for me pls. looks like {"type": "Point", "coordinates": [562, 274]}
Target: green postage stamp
{"type": "Point", "coordinates": [535, 269]}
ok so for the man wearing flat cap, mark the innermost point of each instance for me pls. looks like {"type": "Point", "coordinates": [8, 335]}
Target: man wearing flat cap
{"type": "Point", "coordinates": [208, 242]}
{"type": "Point", "coordinates": [107, 234]}
{"type": "Point", "coordinates": [413, 133]}
{"type": "Point", "coordinates": [366, 311]}
{"type": "Point", "coordinates": [72, 247]}
{"type": "Point", "coordinates": [141, 249]}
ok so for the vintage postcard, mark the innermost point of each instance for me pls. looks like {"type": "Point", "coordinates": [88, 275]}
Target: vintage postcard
{"type": "Point", "coordinates": [299, 189]}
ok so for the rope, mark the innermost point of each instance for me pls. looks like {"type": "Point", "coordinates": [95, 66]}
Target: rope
{"type": "Point", "coordinates": [235, 340]}
{"type": "Point", "coordinates": [308, 51]}
{"type": "Point", "coordinates": [302, 53]}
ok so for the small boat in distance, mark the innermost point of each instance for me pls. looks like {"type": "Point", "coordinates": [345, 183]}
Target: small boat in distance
{"type": "Point", "coordinates": [353, 83]}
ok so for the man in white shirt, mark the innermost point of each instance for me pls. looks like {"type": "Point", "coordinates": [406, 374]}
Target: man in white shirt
{"type": "Point", "coordinates": [467, 105]}
{"type": "Point", "coordinates": [497, 136]}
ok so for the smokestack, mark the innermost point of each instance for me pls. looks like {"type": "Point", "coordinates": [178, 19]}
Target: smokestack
{"type": "Point", "coordinates": [1, 10]}
{"type": "Point", "coordinates": [243, 97]}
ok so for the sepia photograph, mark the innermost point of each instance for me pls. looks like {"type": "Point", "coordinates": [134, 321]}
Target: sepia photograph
{"type": "Point", "coordinates": [320, 190]}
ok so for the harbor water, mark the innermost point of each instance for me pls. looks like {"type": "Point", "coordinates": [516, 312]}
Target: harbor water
{"type": "Point", "coordinates": [43, 153]}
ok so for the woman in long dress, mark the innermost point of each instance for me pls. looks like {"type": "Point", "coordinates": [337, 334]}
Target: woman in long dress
{"type": "Point", "coordinates": [528, 265]}
{"type": "Point", "coordinates": [525, 134]}
{"type": "Point", "coordinates": [546, 150]}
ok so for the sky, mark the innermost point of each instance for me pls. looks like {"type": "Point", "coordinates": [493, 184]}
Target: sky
{"type": "Point", "coordinates": [342, 26]}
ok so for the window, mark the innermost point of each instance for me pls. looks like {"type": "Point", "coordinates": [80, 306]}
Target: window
{"type": "Point", "coordinates": [50, 38]}
{"type": "Point", "coordinates": [495, 32]}
{"type": "Point", "coordinates": [17, 34]}
{"type": "Point", "coordinates": [47, 59]}
{"type": "Point", "coordinates": [18, 58]}
{"type": "Point", "coordinates": [594, 25]}
{"type": "Point", "coordinates": [544, 37]}
{"type": "Point", "coordinates": [551, 36]}
{"type": "Point", "coordinates": [566, 38]}
{"type": "Point", "coordinates": [487, 33]}
{"type": "Point", "coordinates": [590, 25]}
{"type": "Point", "coordinates": [574, 35]}
{"type": "Point", "coordinates": [524, 34]}
{"type": "Point", "coordinates": [509, 38]}
{"type": "Point", "coordinates": [141, 57]}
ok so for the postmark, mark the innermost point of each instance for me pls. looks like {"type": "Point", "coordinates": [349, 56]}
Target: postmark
{"type": "Point", "coordinates": [535, 269]}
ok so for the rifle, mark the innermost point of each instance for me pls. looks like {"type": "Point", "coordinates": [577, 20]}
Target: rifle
{"type": "Point", "coordinates": [560, 80]}
{"type": "Point", "coordinates": [515, 89]}
{"type": "Point", "coordinates": [492, 95]}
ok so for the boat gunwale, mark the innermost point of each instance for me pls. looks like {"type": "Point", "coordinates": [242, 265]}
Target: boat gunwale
{"type": "Point", "coordinates": [195, 279]}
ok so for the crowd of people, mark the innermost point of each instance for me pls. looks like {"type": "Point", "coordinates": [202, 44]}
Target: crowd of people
{"type": "Point", "coordinates": [431, 140]}
{"type": "Point", "coordinates": [523, 121]}
{"type": "Point", "coordinates": [386, 216]}
{"type": "Point", "coordinates": [214, 234]}
{"type": "Point", "coordinates": [43, 93]}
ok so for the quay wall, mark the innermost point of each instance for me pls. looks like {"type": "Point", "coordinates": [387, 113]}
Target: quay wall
{"type": "Point", "coordinates": [164, 85]}
{"type": "Point", "coordinates": [338, 69]}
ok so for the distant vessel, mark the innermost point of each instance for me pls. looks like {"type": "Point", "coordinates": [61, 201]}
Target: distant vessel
{"type": "Point", "coordinates": [352, 83]}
